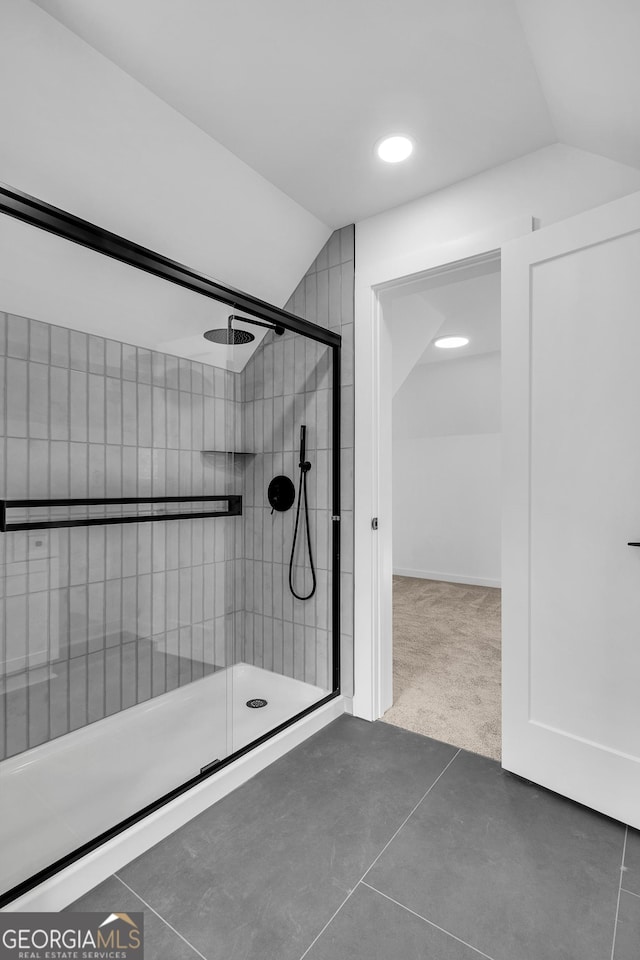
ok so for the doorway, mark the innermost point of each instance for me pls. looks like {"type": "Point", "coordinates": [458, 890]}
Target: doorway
{"type": "Point", "coordinates": [569, 498]}
{"type": "Point", "coordinates": [380, 271]}
{"type": "Point", "coordinates": [445, 455]}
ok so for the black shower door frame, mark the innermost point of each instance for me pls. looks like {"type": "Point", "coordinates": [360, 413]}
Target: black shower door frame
{"type": "Point", "coordinates": [31, 210]}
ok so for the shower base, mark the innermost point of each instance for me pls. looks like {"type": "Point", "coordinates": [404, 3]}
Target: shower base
{"type": "Point", "coordinates": [285, 698]}
{"type": "Point", "coordinates": [57, 796]}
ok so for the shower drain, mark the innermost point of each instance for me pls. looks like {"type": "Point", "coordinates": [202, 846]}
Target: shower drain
{"type": "Point", "coordinates": [257, 702]}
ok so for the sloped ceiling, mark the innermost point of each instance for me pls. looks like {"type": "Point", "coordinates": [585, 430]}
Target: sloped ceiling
{"type": "Point", "coordinates": [587, 57]}
{"type": "Point", "coordinates": [302, 91]}
{"type": "Point", "coordinates": [81, 134]}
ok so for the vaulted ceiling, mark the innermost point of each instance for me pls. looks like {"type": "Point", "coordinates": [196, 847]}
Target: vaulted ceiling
{"type": "Point", "coordinates": [302, 91]}
{"type": "Point", "coordinates": [586, 55]}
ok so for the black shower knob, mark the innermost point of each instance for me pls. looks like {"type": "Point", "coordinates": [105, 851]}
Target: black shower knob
{"type": "Point", "coordinates": [281, 493]}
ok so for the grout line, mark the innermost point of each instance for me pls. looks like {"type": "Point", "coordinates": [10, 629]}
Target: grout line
{"type": "Point", "coordinates": [411, 814]}
{"type": "Point", "coordinates": [166, 922]}
{"type": "Point", "coordinates": [630, 892]}
{"type": "Point", "coordinates": [424, 919]}
{"type": "Point", "coordinates": [361, 880]}
{"type": "Point", "coordinates": [330, 920]}
{"type": "Point", "coordinates": [615, 923]}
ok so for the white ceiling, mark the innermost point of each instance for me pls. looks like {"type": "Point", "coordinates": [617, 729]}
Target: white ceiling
{"type": "Point", "coordinates": [587, 56]}
{"type": "Point", "coordinates": [301, 91]}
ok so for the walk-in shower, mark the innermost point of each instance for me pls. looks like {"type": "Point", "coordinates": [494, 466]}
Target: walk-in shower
{"type": "Point", "coordinates": [149, 634]}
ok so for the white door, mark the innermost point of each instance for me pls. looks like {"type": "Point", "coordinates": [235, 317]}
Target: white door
{"type": "Point", "coordinates": [571, 584]}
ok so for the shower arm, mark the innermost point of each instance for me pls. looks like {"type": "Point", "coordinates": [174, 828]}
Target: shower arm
{"type": "Point", "coordinates": [278, 330]}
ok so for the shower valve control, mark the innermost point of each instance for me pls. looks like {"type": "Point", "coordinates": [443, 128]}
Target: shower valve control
{"type": "Point", "coordinates": [374, 523]}
{"type": "Point", "coordinates": [281, 493]}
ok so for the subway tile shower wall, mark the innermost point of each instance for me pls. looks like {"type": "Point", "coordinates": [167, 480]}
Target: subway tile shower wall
{"type": "Point", "coordinates": [287, 383]}
{"type": "Point", "coordinates": [96, 619]}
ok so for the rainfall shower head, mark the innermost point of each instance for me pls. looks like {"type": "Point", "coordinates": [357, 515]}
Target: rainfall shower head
{"type": "Point", "coordinates": [231, 337]}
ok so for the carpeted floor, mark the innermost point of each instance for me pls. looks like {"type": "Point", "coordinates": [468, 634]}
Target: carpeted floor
{"type": "Point", "coordinates": [446, 663]}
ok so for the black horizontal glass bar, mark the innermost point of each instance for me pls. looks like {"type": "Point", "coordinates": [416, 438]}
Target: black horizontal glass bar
{"type": "Point", "coordinates": [234, 509]}
{"type": "Point", "coordinates": [100, 501]}
{"type": "Point", "coordinates": [31, 210]}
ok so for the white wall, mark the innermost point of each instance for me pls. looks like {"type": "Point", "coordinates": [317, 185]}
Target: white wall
{"type": "Point", "coordinates": [550, 184]}
{"type": "Point", "coordinates": [465, 220]}
{"type": "Point", "coordinates": [81, 134]}
{"type": "Point", "coordinates": [446, 471]}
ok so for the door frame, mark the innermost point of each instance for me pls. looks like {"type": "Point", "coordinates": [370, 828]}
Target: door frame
{"type": "Point", "coordinates": [373, 640]}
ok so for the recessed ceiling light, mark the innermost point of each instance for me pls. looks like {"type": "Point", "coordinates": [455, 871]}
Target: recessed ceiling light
{"type": "Point", "coordinates": [394, 149]}
{"type": "Point", "coordinates": [449, 343]}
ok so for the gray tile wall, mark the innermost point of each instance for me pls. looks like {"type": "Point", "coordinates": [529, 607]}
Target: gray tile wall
{"type": "Point", "coordinates": [95, 619]}
{"type": "Point", "coordinates": [286, 383]}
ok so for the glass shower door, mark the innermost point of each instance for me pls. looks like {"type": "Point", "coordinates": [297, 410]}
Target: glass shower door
{"type": "Point", "coordinates": [160, 608]}
{"type": "Point", "coordinates": [116, 638]}
{"type": "Point", "coordinates": [284, 639]}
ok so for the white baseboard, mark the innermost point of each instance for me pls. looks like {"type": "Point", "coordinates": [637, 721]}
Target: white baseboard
{"type": "Point", "coordinates": [74, 881]}
{"type": "Point", "coordinates": [447, 577]}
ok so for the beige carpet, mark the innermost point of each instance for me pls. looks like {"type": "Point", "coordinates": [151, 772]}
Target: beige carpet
{"type": "Point", "coordinates": [446, 663]}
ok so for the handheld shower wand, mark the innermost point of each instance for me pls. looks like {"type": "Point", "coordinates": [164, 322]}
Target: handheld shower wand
{"type": "Point", "coordinates": [304, 463]}
{"type": "Point", "coordinates": [304, 466]}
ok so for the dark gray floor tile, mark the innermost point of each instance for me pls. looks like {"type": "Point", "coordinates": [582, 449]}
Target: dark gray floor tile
{"type": "Point", "coordinates": [160, 942]}
{"type": "Point", "coordinates": [631, 875]}
{"type": "Point", "coordinates": [628, 928]}
{"type": "Point", "coordinates": [518, 872]}
{"type": "Point", "coordinates": [260, 873]}
{"type": "Point", "coordinates": [370, 927]}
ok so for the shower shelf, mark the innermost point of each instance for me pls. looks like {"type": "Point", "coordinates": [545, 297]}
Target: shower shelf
{"type": "Point", "coordinates": [232, 453]}
{"type": "Point", "coordinates": [40, 522]}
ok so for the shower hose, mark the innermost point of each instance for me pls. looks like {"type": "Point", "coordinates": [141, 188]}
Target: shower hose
{"type": "Point", "coordinates": [305, 466]}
